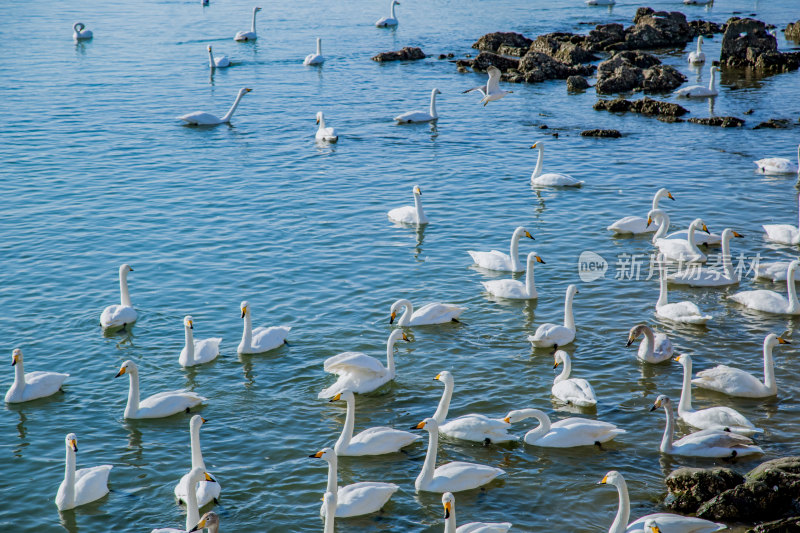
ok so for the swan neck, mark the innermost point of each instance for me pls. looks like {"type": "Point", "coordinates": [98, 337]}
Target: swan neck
{"type": "Point", "coordinates": [390, 356]}
{"type": "Point", "coordinates": [426, 475]}
{"type": "Point", "coordinates": [691, 238]}
{"type": "Point", "coordinates": [433, 93]}
{"type": "Point", "coordinates": [391, 11]}
{"type": "Point", "coordinates": [125, 297]}
{"type": "Point", "coordinates": [569, 319]}
{"type": "Point", "coordinates": [649, 342]}
{"type": "Point", "coordinates": [349, 425]}
{"type": "Point", "coordinates": [333, 475]}
{"type": "Point", "coordinates": [19, 375]}
{"type": "Point", "coordinates": [541, 430]}
{"type": "Point", "coordinates": [530, 284]}
{"type": "Point", "coordinates": [769, 368]}
{"type": "Point", "coordinates": [699, 46]}
{"type": "Point", "coordinates": [663, 295]}
{"type": "Point", "coordinates": [514, 251]}
{"type": "Point", "coordinates": [662, 228]}
{"type": "Point", "coordinates": [794, 305]}
{"type": "Point", "coordinates": [620, 524]}
{"type": "Point", "coordinates": [247, 332]}
{"type": "Point", "coordinates": [713, 76]}
{"type": "Point", "coordinates": [405, 320]}
{"type": "Point", "coordinates": [727, 263]}
{"type": "Point", "coordinates": [669, 430]}
{"type": "Point", "coordinates": [539, 162]}
{"type": "Point", "coordinates": [232, 110]}
{"type": "Point", "coordinates": [197, 453]}
{"type": "Point", "coordinates": [192, 510]}
{"type": "Point", "coordinates": [330, 516]}
{"type": "Point", "coordinates": [685, 403]}
{"type": "Point", "coordinates": [252, 29]}
{"type": "Point", "coordinates": [211, 60]}
{"type": "Point", "coordinates": [565, 371]}
{"type": "Point", "coordinates": [189, 343]}
{"type": "Point", "coordinates": [418, 208]}
{"type": "Point", "coordinates": [133, 395]}
{"type": "Point", "coordinates": [321, 120]}
{"type": "Point", "coordinates": [444, 403]}
{"type": "Point", "coordinates": [450, 522]}
{"type": "Point", "coordinates": [69, 476]}
{"type": "Point", "coordinates": [319, 46]}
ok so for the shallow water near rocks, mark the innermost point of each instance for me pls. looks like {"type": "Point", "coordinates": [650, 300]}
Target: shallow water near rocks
{"type": "Point", "coordinates": [98, 172]}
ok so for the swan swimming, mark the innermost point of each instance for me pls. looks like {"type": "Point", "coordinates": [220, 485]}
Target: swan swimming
{"type": "Point", "coordinates": [81, 33]}
{"type": "Point", "coordinates": [408, 214]}
{"type": "Point", "coordinates": [684, 250]}
{"type": "Point", "coordinates": [697, 276]}
{"type": "Point", "coordinates": [315, 59]}
{"type": "Point", "coordinates": [681, 312]}
{"type": "Point", "coordinates": [119, 316]}
{"type": "Point", "coordinates": [391, 20]}
{"type": "Point", "coordinates": [633, 225]}
{"type": "Point", "coordinates": [80, 486]}
{"type": "Point", "coordinates": [249, 35]}
{"type": "Point", "coordinates": [420, 116]}
{"type": "Point", "coordinates": [774, 270]}
{"type": "Point", "coordinates": [551, 179]}
{"type": "Point", "coordinates": [778, 165]}
{"type": "Point", "coordinates": [655, 347]}
{"type": "Point", "coordinates": [697, 57]}
{"type": "Point", "coordinates": [33, 385]}
{"type": "Point", "coordinates": [572, 391]}
{"type": "Point", "coordinates": [566, 433]}
{"type": "Point", "coordinates": [770, 301]}
{"type": "Point", "coordinates": [195, 476]}
{"type": "Point", "coordinates": [514, 289]}
{"type": "Point", "coordinates": [449, 503]}
{"type": "Point", "coordinates": [218, 61]}
{"type": "Point", "coordinates": [555, 334]}
{"type": "Point", "coordinates": [158, 405]}
{"type": "Point", "coordinates": [428, 314]}
{"type": "Point", "coordinates": [205, 491]}
{"type": "Point", "coordinates": [783, 233]}
{"type": "Point", "coordinates": [209, 520]}
{"type": "Point", "coordinates": [496, 260]}
{"type": "Point", "coordinates": [698, 91]}
{"type": "Point", "coordinates": [600, 2]}
{"type": "Point", "coordinates": [261, 339]}
{"type": "Point", "coordinates": [324, 133]}
{"type": "Point", "coordinates": [491, 92]}
{"type": "Point", "coordinates": [197, 352]}
{"type": "Point", "coordinates": [201, 118]}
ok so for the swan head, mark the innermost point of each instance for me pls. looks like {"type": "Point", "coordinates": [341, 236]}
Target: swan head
{"type": "Point", "coordinates": [664, 193]}
{"type": "Point", "coordinates": [128, 367]}
{"type": "Point", "coordinates": [650, 526]}
{"type": "Point", "coordinates": [398, 334]}
{"type": "Point", "coordinates": [429, 423]}
{"type": "Point", "coordinates": [793, 265]}
{"type": "Point", "coordinates": [209, 47]}
{"type": "Point", "coordinates": [435, 91]}
{"type": "Point", "coordinates": [533, 258]}
{"type": "Point", "coordinates": [245, 90]}
{"type": "Point", "coordinates": [445, 377]}
{"type": "Point", "coordinates": [325, 453]}
{"type": "Point", "coordinates": [770, 341]}
{"type": "Point", "coordinates": [448, 501]}
{"type": "Point", "coordinates": [656, 215]}
{"type": "Point", "coordinates": [715, 68]}
{"type": "Point", "coordinates": [538, 144]}
{"type": "Point", "coordinates": [188, 322]}
{"type": "Point", "coordinates": [208, 520]}
{"type": "Point", "coordinates": [79, 27]}
{"type": "Point", "coordinates": [572, 290]}
{"type": "Point", "coordinates": [319, 116]}
{"type": "Point", "coordinates": [197, 421]}
{"type": "Point", "coordinates": [196, 475]}
{"type": "Point", "coordinates": [16, 356]}
{"type": "Point", "coordinates": [346, 395]}
{"type": "Point", "coordinates": [661, 401]}
{"type": "Point", "coordinates": [125, 268]}
{"type": "Point", "coordinates": [728, 234]}
{"type": "Point", "coordinates": [699, 224]}
{"type": "Point", "coordinates": [402, 302]}
{"type": "Point", "coordinates": [71, 440]}
{"type": "Point", "coordinates": [522, 232]}
{"type": "Point", "coordinates": [395, 3]}
{"type": "Point", "coordinates": [245, 307]}
{"type": "Point", "coordinates": [518, 415]}
{"type": "Point", "coordinates": [417, 190]}
{"type": "Point", "coordinates": [635, 332]}
{"type": "Point", "coordinates": [560, 356]}
{"type": "Point", "coordinates": [612, 478]}
{"type": "Point", "coordinates": [684, 359]}
{"type": "Point", "coordinates": [256, 9]}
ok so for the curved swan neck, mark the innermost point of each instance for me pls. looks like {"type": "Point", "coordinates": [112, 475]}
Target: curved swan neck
{"type": "Point", "coordinates": [669, 429]}
{"type": "Point", "coordinates": [691, 238]}
{"type": "Point", "coordinates": [648, 341]}
{"type": "Point", "coordinates": [542, 429]}
{"type": "Point", "coordinates": [391, 10]}
{"type": "Point", "coordinates": [663, 227]}
{"type": "Point", "coordinates": [197, 453]}
{"type": "Point", "coordinates": [769, 366]}
{"type": "Point", "coordinates": [444, 403]}
{"type": "Point", "coordinates": [569, 319]}
{"type": "Point", "coordinates": [390, 354]}
{"type": "Point", "coordinates": [418, 208]}
{"type": "Point", "coordinates": [620, 524]}
{"type": "Point", "coordinates": [253, 29]}
{"type": "Point", "coordinates": [794, 305]}
{"type": "Point", "coordinates": [125, 297]}
{"type": "Point", "coordinates": [428, 467]}
{"type": "Point", "coordinates": [230, 112]}
{"type": "Point", "coordinates": [321, 121]}
{"type": "Point", "coordinates": [189, 340]}
{"type": "Point", "coordinates": [133, 396]}
{"type": "Point", "coordinates": [349, 424]}
{"type": "Point", "coordinates": [539, 162]}
{"type": "Point", "coordinates": [405, 319]}
{"type": "Point", "coordinates": [565, 371]}
{"type": "Point", "coordinates": [333, 475]}
{"type": "Point", "coordinates": [530, 284]}
{"type": "Point", "coordinates": [685, 403]}
{"type": "Point", "coordinates": [247, 332]}
{"type": "Point", "coordinates": [514, 251]}
{"type": "Point", "coordinates": [433, 92]}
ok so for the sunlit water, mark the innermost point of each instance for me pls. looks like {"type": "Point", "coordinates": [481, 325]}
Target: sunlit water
{"type": "Point", "coordinates": [97, 171]}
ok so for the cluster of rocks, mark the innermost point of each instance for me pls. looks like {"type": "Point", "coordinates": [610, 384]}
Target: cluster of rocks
{"type": "Point", "coordinates": [408, 53]}
{"type": "Point", "coordinates": [636, 71]}
{"type": "Point", "coordinates": [774, 123]}
{"type": "Point", "coordinates": [613, 134]}
{"type": "Point", "coordinates": [645, 106]}
{"type": "Point", "coordinates": [792, 31]}
{"type": "Point", "coordinates": [533, 67]}
{"type": "Point", "coordinates": [722, 122]}
{"type": "Point", "coordinates": [747, 43]}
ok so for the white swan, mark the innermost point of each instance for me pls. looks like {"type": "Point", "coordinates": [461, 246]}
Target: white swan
{"type": "Point", "coordinates": [573, 391]}
{"type": "Point", "coordinates": [33, 385]}
{"type": "Point", "coordinates": [600, 2]}
{"type": "Point", "coordinates": [698, 91]}
{"type": "Point", "coordinates": [551, 179]}
{"type": "Point", "coordinates": [330, 501]}
{"type": "Point", "coordinates": [496, 260]}
{"type": "Point", "coordinates": [775, 270]}
{"type": "Point", "coordinates": [783, 233]}
{"type": "Point", "coordinates": [667, 522]}
{"type": "Point", "coordinates": [681, 312]}
{"type": "Point", "coordinates": [697, 276]}
{"type": "Point", "coordinates": [450, 477]}
{"type": "Point", "coordinates": [360, 372]}
{"type": "Point", "coordinates": [514, 289]}
{"type": "Point", "coordinates": [249, 35]}
{"type": "Point", "coordinates": [655, 347]}
{"type": "Point", "coordinates": [391, 20]}
{"type": "Point", "coordinates": [410, 215]}
{"type": "Point", "coordinates": [684, 249]}
{"type": "Point", "coordinates": [697, 57]}
{"type": "Point", "coordinates": [158, 405]}
{"type": "Point", "coordinates": [218, 61]}
{"type": "Point", "coordinates": [566, 433]}
{"type": "Point", "coordinates": [554, 334]}
{"type": "Point", "coordinates": [80, 486]}
{"type": "Point", "coordinates": [735, 382]}
{"type": "Point", "coordinates": [471, 427]}
{"type": "Point", "coordinates": [205, 491]}
{"type": "Point", "coordinates": [770, 301]}
{"type": "Point", "coordinates": [200, 351]}
{"type": "Point", "coordinates": [491, 92]}
{"type": "Point", "coordinates": [372, 441]}
{"type": "Point", "coordinates": [209, 520]}
{"type": "Point", "coordinates": [428, 314]}
{"type": "Point", "coordinates": [778, 165]}
{"type": "Point", "coordinates": [324, 133]}
{"type": "Point", "coordinates": [635, 225]}
{"type": "Point", "coordinates": [421, 116]}
{"type": "Point", "coordinates": [195, 476]}
{"type": "Point", "coordinates": [358, 498]}
{"type": "Point", "coordinates": [719, 417]}
{"type": "Point", "coordinates": [449, 503]}
{"type": "Point", "coordinates": [80, 33]}
{"type": "Point", "coordinates": [262, 339]}
{"type": "Point", "coordinates": [119, 316]}
{"type": "Point", "coordinates": [315, 59]}
{"type": "Point", "coordinates": [201, 118]}
{"type": "Point", "coordinates": [712, 443]}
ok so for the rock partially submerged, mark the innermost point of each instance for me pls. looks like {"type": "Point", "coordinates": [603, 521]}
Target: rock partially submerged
{"type": "Point", "coordinates": [645, 106]}
{"type": "Point", "coordinates": [613, 134]}
{"type": "Point", "coordinates": [577, 83]}
{"type": "Point", "coordinates": [559, 46]}
{"type": "Point", "coordinates": [484, 60]}
{"type": "Point", "coordinates": [722, 122]}
{"type": "Point", "coordinates": [536, 67]}
{"type": "Point", "coordinates": [499, 42]}
{"type": "Point", "coordinates": [792, 31]}
{"type": "Point", "coordinates": [636, 71]}
{"type": "Point", "coordinates": [774, 123]}
{"type": "Point", "coordinates": [408, 53]}
{"type": "Point", "coordinates": [689, 488]}
{"type": "Point", "coordinates": [786, 525]}
{"type": "Point", "coordinates": [747, 43]}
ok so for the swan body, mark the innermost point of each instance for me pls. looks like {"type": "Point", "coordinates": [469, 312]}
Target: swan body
{"type": "Point", "coordinates": [195, 476]}
{"type": "Point", "coordinates": [735, 382]}
{"type": "Point", "coordinates": [358, 498]}
{"type": "Point", "coordinates": [711, 277]}
{"type": "Point", "coordinates": [201, 118]}
{"type": "Point", "coordinates": [713, 417]}
{"type": "Point", "coordinates": [775, 271]}
{"type": "Point", "coordinates": [205, 491]}
{"type": "Point", "coordinates": [315, 59]}
{"type": "Point", "coordinates": [573, 391]}
{"type": "Point", "coordinates": [428, 314]}
{"type": "Point", "coordinates": [770, 301]}
{"type": "Point", "coordinates": [600, 2]}
{"type": "Point", "coordinates": [697, 57]}
{"type": "Point", "coordinates": [260, 340]}
{"type": "Point", "coordinates": [783, 233]}
{"type": "Point", "coordinates": [567, 433]}
{"type": "Point", "coordinates": [119, 316]}
{"type": "Point", "coordinates": [249, 35]}
{"type": "Point", "coordinates": [408, 214]}
{"type": "Point", "coordinates": [325, 133]}
{"type": "Point", "coordinates": [80, 33]}
{"type": "Point", "coordinates": [514, 289]}
{"type": "Point", "coordinates": [471, 427]}
{"type": "Point", "coordinates": [496, 260]}
{"type": "Point", "coordinates": [80, 486]}
{"type": "Point", "coordinates": [158, 405]}
{"type": "Point", "coordinates": [197, 352]}
{"type": "Point", "coordinates": [391, 20]}
{"type": "Point", "coordinates": [698, 91]}
{"type": "Point", "coordinates": [449, 503]}
{"type": "Point", "coordinates": [450, 477]}
{"type": "Point", "coordinates": [667, 522]}
{"type": "Point", "coordinates": [778, 165]}
{"type": "Point", "coordinates": [555, 334]}
{"type": "Point", "coordinates": [655, 347]}
{"type": "Point", "coordinates": [421, 116]}
{"type": "Point", "coordinates": [218, 61]}
{"type": "Point", "coordinates": [681, 312]}
{"type": "Point", "coordinates": [33, 385]}
{"type": "Point", "coordinates": [637, 225]}
{"type": "Point", "coordinates": [491, 92]}
{"type": "Point", "coordinates": [360, 372]}
{"type": "Point", "coordinates": [551, 179]}
{"type": "Point", "coordinates": [210, 520]}
{"type": "Point", "coordinates": [713, 443]}
{"type": "Point", "coordinates": [684, 249]}
{"type": "Point", "coordinates": [372, 441]}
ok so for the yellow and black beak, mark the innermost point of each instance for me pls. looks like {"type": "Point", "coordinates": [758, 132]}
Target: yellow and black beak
{"type": "Point", "coordinates": [781, 340]}
{"type": "Point", "coordinates": [200, 525]}
{"type": "Point", "coordinates": [535, 145]}
{"type": "Point", "coordinates": [405, 338]}
{"type": "Point", "coordinates": [669, 195]}
{"type": "Point", "coordinates": [248, 90]}
{"type": "Point", "coordinates": [677, 359]}
{"type": "Point", "coordinates": [705, 228]}
{"type": "Point", "coordinates": [203, 419]}
{"type": "Point", "coordinates": [528, 235]}
{"type": "Point", "coordinates": [603, 481]}
{"type": "Point", "coordinates": [191, 324]}
{"type": "Point", "coordinates": [447, 508]}
{"type": "Point", "coordinates": [316, 455]}
{"type": "Point", "coordinates": [14, 360]}
{"type": "Point", "coordinates": [507, 420]}
{"type": "Point", "coordinates": [437, 377]}
{"type": "Point", "coordinates": [655, 406]}
{"type": "Point", "coordinates": [421, 425]}
{"type": "Point", "coordinates": [244, 311]}
{"type": "Point", "coordinates": [557, 362]}
{"type": "Point", "coordinates": [121, 372]}
{"type": "Point", "coordinates": [630, 341]}
{"type": "Point", "coordinates": [317, 120]}
{"type": "Point", "coordinates": [540, 260]}
{"type": "Point", "coordinates": [735, 234]}
{"type": "Point", "coordinates": [655, 529]}
{"type": "Point", "coordinates": [209, 478]}
{"type": "Point", "coordinates": [336, 398]}
{"type": "Point", "coordinates": [74, 445]}
{"type": "Point", "coordinates": [392, 317]}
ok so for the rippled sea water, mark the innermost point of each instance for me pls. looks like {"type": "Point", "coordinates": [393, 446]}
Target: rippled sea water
{"type": "Point", "coordinates": [96, 172]}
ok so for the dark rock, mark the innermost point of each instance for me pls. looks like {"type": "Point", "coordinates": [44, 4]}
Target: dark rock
{"type": "Point", "coordinates": [749, 112]}
{"type": "Point", "coordinates": [484, 60]}
{"type": "Point", "coordinates": [536, 67]}
{"type": "Point", "coordinates": [792, 31]}
{"type": "Point", "coordinates": [614, 134]}
{"type": "Point", "coordinates": [645, 106]}
{"type": "Point", "coordinates": [491, 42]}
{"type": "Point", "coordinates": [689, 488]}
{"type": "Point", "coordinates": [750, 502]}
{"type": "Point", "coordinates": [775, 123]}
{"type": "Point", "coordinates": [543, 127]}
{"type": "Point", "coordinates": [450, 55]}
{"type": "Point", "coordinates": [605, 35]}
{"type": "Point", "coordinates": [560, 46]}
{"type": "Point", "coordinates": [442, 56]}
{"type": "Point", "coordinates": [577, 83]}
{"type": "Point", "coordinates": [744, 41]}
{"type": "Point", "coordinates": [620, 105]}
{"type": "Point", "coordinates": [667, 118]}
{"type": "Point", "coordinates": [723, 122]}
{"type": "Point", "coordinates": [463, 63]}
{"type": "Point", "coordinates": [783, 473]}
{"type": "Point", "coordinates": [408, 53]}
{"type": "Point", "coordinates": [705, 27]}
{"type": "Point", "coordinates": [656, 29]}
{"type": "Point", "coordinates": [636, 71]}
{"type": "Point", "coordinates": [786, 525]}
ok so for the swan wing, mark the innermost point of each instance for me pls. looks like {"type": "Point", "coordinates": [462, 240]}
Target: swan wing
{"type": "Point", "coordinates": [493, 85]}
{"type": "Point", "coordinates": [117, 315]}
{"type": "Point", "coordinates": [266, 339]}
{"type": "Point", "coordinates": [168, 403]}
{"type": "Point", "coordinates": [553, 179]}
{"type": "Point", "coordinates": [575, 391]}
{"type": "Point", "coordinates": [484, 527]}
{"type": "Point", "coordinates": [349, 362]}
{"type": "Point", "coordinates": [414, 116]}
{"type": "Point", "coordinates": [714, 438]}
{"type": "Point", "coordinates": [380, 440]}
{"type": "Point", "coordinates": [200, 118]}
{"type": "Point", "coordinates": [632, 225]}
{"type": "Point", "coordinates": [550, 334]}
{"type": "Point", "coordinates": [678, 249]}
{"type": "Point", "coordinates": [729, 380]}
{"type": "Point", "coordinates": [762, 300]}
{"type": "Point", "coordinates": [91, 483]}
{"type": "Point", "coordinates": [493, 260]}
{"type": "Point", "coordinates": [363, 498]}
{"type": "Point", "coordinates": [782, 233]}
{"type": "Point", "coordinates": [776, 165]}
{"type": "Point", "coordinates": [718, 418]}
{"type": "Point", "coordinates": [457, 476]}
{"type": "Point", "coordinates": [477, 428]}
{"type": "Point", "coordinates": [673, 523]}
{"type": "Point", "coordinates": [42, 381]}
{"type": "Point", "coordinates": [436, 313]}
{"type": "Point", "coordinates": [578, 432]}
{"type": "Point", "coordinates": [405, 214]}
{"type": "Point", "coordinates": [206, 350]}
{"type": "Point", "coordinates": [686, 312]}
{"type": "Point", "coordinates": [776, 271]}
{"type": "Point", "coordinates": [506, 288]}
